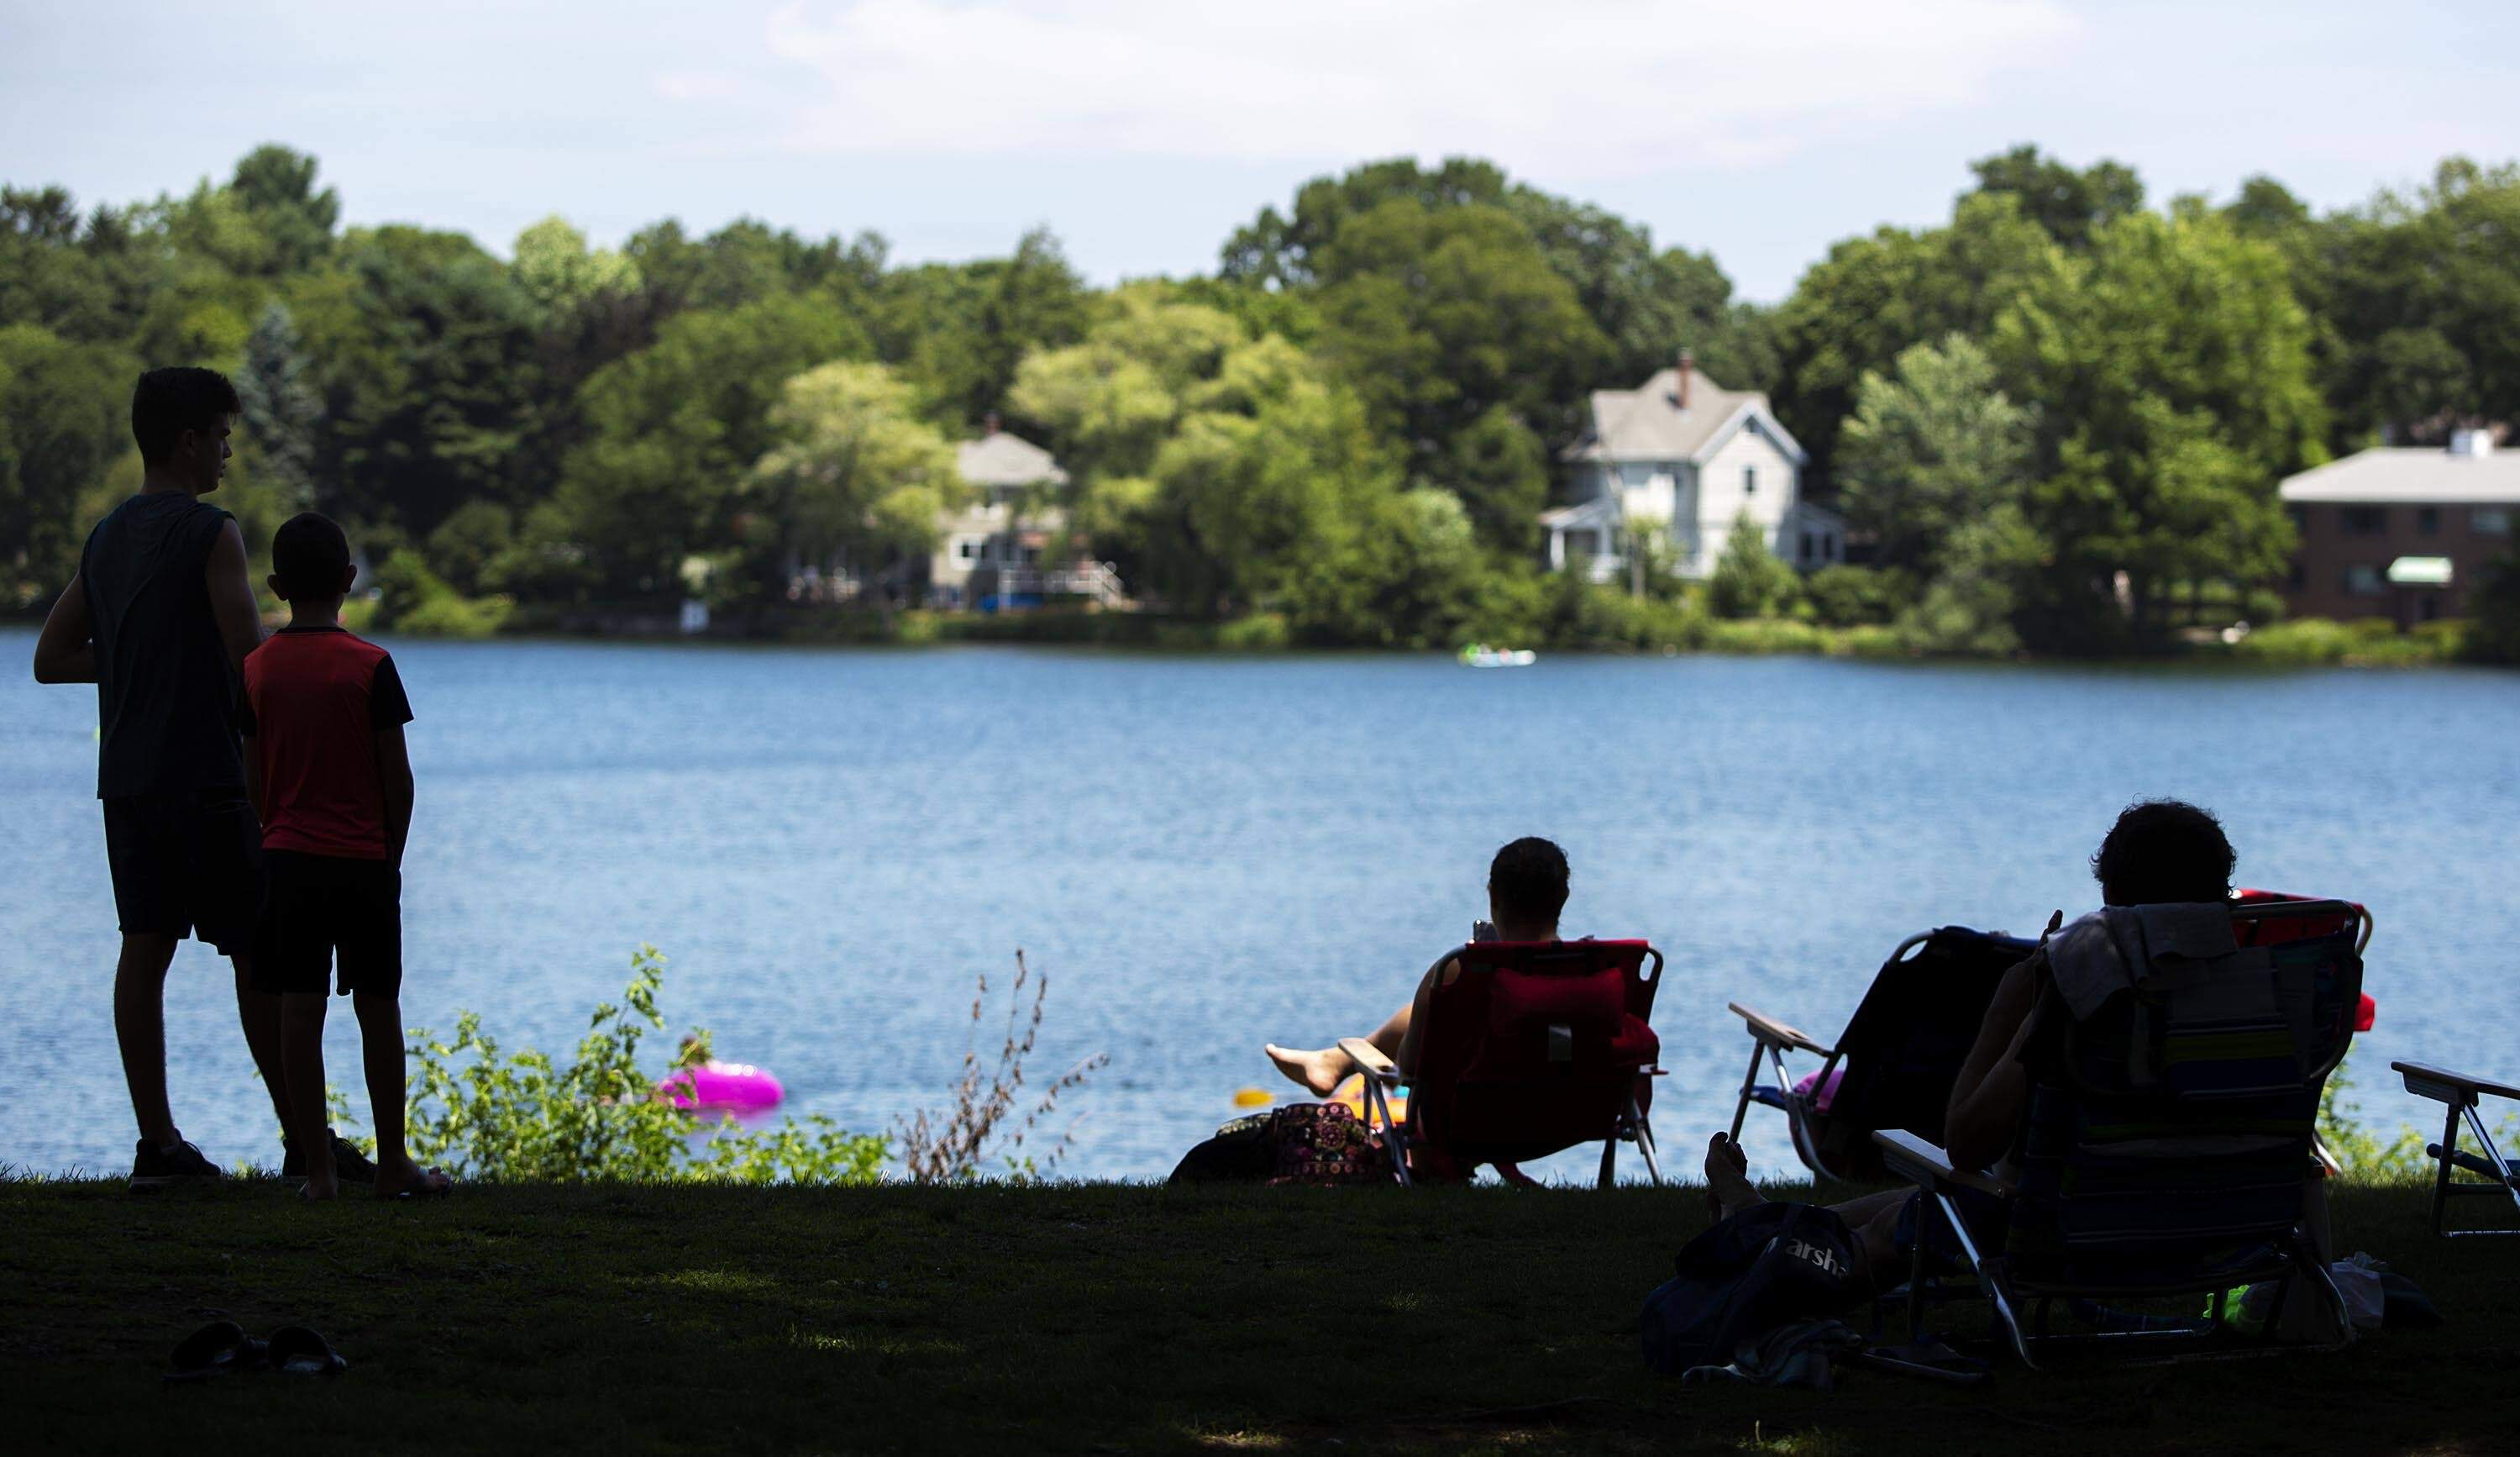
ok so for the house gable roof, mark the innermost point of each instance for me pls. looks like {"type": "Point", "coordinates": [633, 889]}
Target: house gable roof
{"type": "Point", "coordinates": [2387, 475]}
{"type": "Point", "coordinates": [1648, 422]}
{"type": "Point", "coordinates": [1001, 459]}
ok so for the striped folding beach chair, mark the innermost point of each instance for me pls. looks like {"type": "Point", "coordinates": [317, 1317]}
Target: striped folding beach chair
{"type": "Point", "coordinates": [2170, 1150]}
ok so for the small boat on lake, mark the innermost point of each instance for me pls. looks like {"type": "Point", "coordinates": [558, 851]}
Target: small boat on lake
{"type": "Point", "coordinates": [1480, 654]}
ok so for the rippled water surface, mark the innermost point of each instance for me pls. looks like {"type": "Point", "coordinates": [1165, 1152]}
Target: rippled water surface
{"type": "Point", "coordinates": [1205, 854]}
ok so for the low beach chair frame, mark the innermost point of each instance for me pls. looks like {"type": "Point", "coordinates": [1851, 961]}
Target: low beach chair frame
{"type": "Point", "coordinates": [1383, 1077]}
{"type": "Point", "coordinates": [2461, 1094]}
{"type": "Point", "coordinates": [1770, 1040]}
{"type": "Point", "coordinates": [1914, 1161]}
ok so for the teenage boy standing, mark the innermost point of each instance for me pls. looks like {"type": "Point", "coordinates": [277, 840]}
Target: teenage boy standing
{"type": "Point", "coordinates": [331, 778]}
{"type": "Point", "coordinates": [161, 617]}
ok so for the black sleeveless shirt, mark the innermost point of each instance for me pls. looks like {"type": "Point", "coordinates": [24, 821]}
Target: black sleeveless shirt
{"type": "Point", "coordinates": [166, 704]}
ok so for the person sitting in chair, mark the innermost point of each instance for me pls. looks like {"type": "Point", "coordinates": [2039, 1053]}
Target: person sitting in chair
{"type": "Point", "coordinates": [1526, 889]}
{"type": "Point", "coordinates": [2165, 855]}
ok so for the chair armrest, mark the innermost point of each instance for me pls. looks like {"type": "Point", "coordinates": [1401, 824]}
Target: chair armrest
{"type": "Point", "coordinates": [1926, 1166]}
{"type": "Point", "coordinates": [1776, 1033]}
{"type": "Point", "coordinates": [2442, 1086]}
{"type": "Point", "coordinates": [1370, 1061]}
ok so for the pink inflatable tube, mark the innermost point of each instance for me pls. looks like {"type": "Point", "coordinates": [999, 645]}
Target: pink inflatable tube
{"type": "Point", "coordinates": [735, 1088]}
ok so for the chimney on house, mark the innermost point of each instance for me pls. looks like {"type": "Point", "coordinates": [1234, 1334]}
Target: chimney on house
{"type": "Point", "coordinates": [1688, 367]}
{"type": "Point", "coordinates": [988, 425]}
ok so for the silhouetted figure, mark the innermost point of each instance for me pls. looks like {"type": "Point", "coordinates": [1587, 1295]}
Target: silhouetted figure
{"type": "Point", "coordinates": [1526, 889]}
{"type": "Point", "coordinates": [160, 617]}
{"type": "Point", "coordinates": [2171, 858]}
{"type": "Point", "coordinates": [330, 774]}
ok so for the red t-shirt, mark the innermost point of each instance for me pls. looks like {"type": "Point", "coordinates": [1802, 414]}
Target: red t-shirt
{"type": "Point", "coordinates": [315, 698]}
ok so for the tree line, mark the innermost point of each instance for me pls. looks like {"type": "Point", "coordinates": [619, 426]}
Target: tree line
{"type": "Point", "coordinates": [2056, 416]}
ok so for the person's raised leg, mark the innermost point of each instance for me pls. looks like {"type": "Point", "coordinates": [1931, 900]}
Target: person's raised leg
{"type": "Point", "coordinates": [1321, 1070]}
{"type": "Point", "coordinates": [140, 1031]}
{"type": "Point", "coordinates": [380, 1049]}
{"type": "Point", "coordinates": [303, 1116]}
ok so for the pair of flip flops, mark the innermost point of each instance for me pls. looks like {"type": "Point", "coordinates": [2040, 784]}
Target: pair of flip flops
{"type": "Point", "coordinates": [222, 1347]}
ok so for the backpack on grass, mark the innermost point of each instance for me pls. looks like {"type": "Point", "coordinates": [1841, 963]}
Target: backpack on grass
{"type": "Point", "coordinates": [1754, 1272]}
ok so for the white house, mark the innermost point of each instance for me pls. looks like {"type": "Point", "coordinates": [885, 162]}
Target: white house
{"type": "Point", "coordinates": [1683, 456]}
{"type": "Point", "coordinates": [1002, 469]}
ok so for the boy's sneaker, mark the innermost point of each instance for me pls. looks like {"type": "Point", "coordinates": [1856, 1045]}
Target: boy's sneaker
{"type": "Point", "coordinates": [155, 1168]}
{"type": "Point", "coordinates": [349, 1165]}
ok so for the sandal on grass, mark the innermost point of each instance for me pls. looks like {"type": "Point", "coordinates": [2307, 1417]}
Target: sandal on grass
{"type": "Point", "coordinates": [299, 1352]}
{"type": "Point", "coordinates": [216, 1349]}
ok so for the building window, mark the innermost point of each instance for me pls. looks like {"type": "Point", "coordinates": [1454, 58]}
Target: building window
{"type": "Point", "coordinates": [2298, 577]}
{"type": "Point", "coordinates": [2363, 521]}
{"type": "Point", "coordinates": [2490, 521]}
{"type": "Point", "coordinates": [1749, 480]}
{"type": "Point", "coordinates": [2428, 520]}
{"type": "Point", "coordinates": [2363, 581]}
{"type": "Point", "coordinates": [1807, 546]}
{"type": "Point", "coordinates": [967, 550]}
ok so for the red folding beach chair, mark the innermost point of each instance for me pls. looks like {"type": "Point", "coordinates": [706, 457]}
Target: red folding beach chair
{"type": "Point", "coordinates": [1536, 1047]}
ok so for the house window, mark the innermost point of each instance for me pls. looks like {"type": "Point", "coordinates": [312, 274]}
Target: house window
{"type": "Point", "coordinates": [1807, 546]}
{"type": "Point", "coordinates": [967, 550]}
{"type": "Point", "coordinates": [2490, 521]}
{"type": "Point", "coordinates": [2427, 520]}
{"type": "Point", "coordinates": [2363, 581]}
{"type": "Point", "coordinates": [2363, 521]}
{"type": "Point", "coordinates": [2298, 577]}
{"type": "Point", "coordinates": [1749, 480]}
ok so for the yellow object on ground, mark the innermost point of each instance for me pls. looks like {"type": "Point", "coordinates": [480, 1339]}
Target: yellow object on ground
{"type": "Point", "coordinates": [1352, 1094]}
{"type": "Point", "coordinates": [1253, 1098]}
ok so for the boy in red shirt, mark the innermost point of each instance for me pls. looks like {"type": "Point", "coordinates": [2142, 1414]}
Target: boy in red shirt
{"type": "Point", "coordinates": [326, 765]}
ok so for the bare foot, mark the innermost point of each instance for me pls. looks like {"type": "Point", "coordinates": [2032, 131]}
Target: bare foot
{"type": "Point", "coordinates": [1320, 1072]}
{"type": "Point", "coordinates": [1727, 1177]}
{"type": "Point", "coordinates": [410, 1180]}
{"type": "Point", "coordinates": [320, 1190]}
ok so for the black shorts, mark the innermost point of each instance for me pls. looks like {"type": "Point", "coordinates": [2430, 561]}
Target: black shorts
{"type": "Point", "coordinates": [186, 865]}
{"type": "Point", "coordinates": [317, 905]}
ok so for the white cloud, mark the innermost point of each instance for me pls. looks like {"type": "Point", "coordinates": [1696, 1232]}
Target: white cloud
{"type": "Point", "coordinates": [1580, 88]}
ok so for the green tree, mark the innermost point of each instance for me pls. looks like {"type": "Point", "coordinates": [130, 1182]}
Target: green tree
{"type": "Point", "coordinates": [1873, 298]}
{"type": "Point", "coordinates": [1748, 580]}
{"type": "Point", "coordinates": [2494, 611]}
{"type": "Point", "coordinates": [284, 412]}
{"type": "Point", "coordinates": [275, 188]}
{"type": "Point", "coordinates": [1499, 468]}
{"type": "Point", "coordinates": [563, 277]}
{"type": "Point", "coordinates": [856, 473]}
{"type": "Point", "coordinates": [959, 331]}
{"type": "Point", "coordinates": [2071, 206]}
{"type": "Point", "coordinates": [673, 432]}
{"type": "Point", "coordinates": [1930, 447]}
{"type": "Point", "coordinates": [423, 348]}
{"type": "Point", "coordinates": [62, 422]}
{"type": "Point", "coordinates": [2172, 369]}
{"type": "Point", "coordinates": [1437, 316]}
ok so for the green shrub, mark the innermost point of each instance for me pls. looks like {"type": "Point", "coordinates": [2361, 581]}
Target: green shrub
{"type": "Point", "coordinates": [1748, 580]}
{"type": "Point", "coordinates": [524, 1116]}
{"type": "Point", "coordinates": [1258, 632]}
{"type": "Point", "coordinates": [1859, 595]}
{"type": "Point", "coordinates": [1870, 642]}
{"type": "Point", "coordinates": [411, 599]}
{"type": "Point", "coordinates": [2302, 641]}
{"type": "Point", "coordinates": [1765, 635]}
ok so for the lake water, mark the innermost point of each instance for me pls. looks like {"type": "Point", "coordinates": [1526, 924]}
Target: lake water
{"type": "Point", "coordinates": [1205, 854]}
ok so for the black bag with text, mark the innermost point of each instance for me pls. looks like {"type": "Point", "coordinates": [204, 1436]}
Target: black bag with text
{"type": "Point", "coordinates": [1759, 1270]}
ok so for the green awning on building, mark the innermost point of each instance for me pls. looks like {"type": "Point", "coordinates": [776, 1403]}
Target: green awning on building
{"type": "Point", "coordinates": [2419, 572]}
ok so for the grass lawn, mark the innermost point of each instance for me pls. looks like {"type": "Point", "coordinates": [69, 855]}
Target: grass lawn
{"type": "Point", "coordinates": [1076, 1318]}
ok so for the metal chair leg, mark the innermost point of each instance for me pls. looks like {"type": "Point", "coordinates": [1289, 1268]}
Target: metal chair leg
{"type": "Point", "coordinates": [1644, 1139]}
{"type": "Point", "coordinates": [1741, 1105]}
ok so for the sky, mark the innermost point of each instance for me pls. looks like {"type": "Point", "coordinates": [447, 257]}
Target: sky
{"type": "Point", "coordinates": [1142, 132]}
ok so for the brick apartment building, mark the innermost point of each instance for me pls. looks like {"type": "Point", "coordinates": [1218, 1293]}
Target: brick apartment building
{"type": "Point", "coordinates": [2401, 532]}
